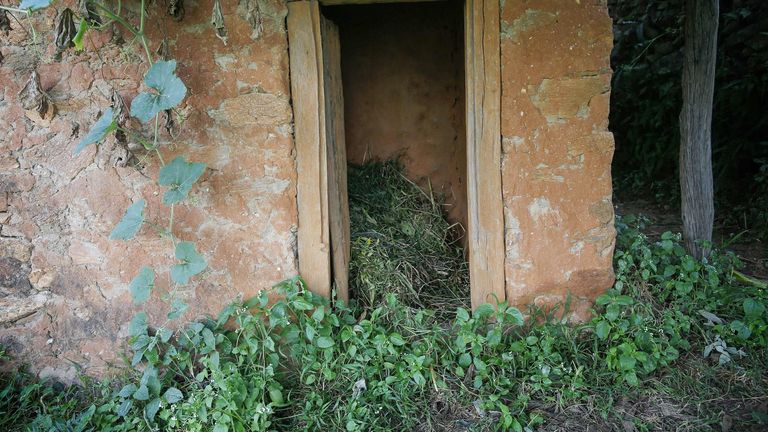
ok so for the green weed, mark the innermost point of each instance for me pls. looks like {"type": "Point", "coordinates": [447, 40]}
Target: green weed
{"type": "Point", "coordinates": [306, 363]}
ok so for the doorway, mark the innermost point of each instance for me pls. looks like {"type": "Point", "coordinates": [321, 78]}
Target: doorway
{"type": "Point", "coordinates": [402, 69]}
{"type": "Point", "coordinates": [418, 81]}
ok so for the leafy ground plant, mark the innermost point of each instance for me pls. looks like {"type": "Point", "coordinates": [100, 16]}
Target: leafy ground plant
{"type": "Point", "coordinates": [676, 344]}
{"type": "Point", "coordinates": [648, 360]}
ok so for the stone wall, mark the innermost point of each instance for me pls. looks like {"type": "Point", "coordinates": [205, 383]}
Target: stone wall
{"type": "Point", "coordinates": [63, 285]}
{"type": "Point", "coordinates": [557, 151]}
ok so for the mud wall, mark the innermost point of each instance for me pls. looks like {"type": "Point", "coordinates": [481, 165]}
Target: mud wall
{"type": "Point", "coordinates": [63, 285]}
{"type": "Point", "coordinates": [402, 71]}
{"type": "Point", "coordinates": [557, 151]}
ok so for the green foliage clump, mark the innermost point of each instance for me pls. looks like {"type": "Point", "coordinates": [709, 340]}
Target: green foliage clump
{"type": "Point", "coordinates": [302, 362]}
{"type": "Point", "coordinates": [682, 291]}
{"type": "Point", "coordinates": [401, 241]}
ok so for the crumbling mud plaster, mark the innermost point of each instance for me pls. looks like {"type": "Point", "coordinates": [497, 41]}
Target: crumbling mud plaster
{"type": "Point", "coordinates": [557, 151]}
{"type": "Point", "coordinates": [63, 285]}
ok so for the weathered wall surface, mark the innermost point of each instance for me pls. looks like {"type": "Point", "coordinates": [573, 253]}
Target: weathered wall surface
{"type": "Point", "coordinates": [63, 285]}
{"type": "Point", "coordinates": [402, 70]}
{"type": "Point", "coordinates": [557, 151]}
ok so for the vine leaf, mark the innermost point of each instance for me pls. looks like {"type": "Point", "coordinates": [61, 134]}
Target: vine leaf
{"type": "Point", "coordinates": [131, 222]}
{"type": "Point", "coordinates": [142, 393]}
{"type": "Point", "coordinates": [127, 390]}
{"type": "Point", "coordinates": [103, 126]}
{"type": "Point", "coordinates": [178, 307]}
{"type": "Point", "coordinates": [173, 395]}
{"type": "Point", "coordinates": [170, 91]}
{"type": "Point", "coordinates": [152, 408]}
{"type": "Point", "coordinates": [191, 263]}
{"type": "Point", "coordinates": [179, 175]}
{"type": "Point", "coordinates": [141, 286]}
{"type": "Point", "coordinates": [138, 324]}
{"type": "Point", "coordinates": [124, 407]}
{"type": "Point", "coordinates": [34, 4]}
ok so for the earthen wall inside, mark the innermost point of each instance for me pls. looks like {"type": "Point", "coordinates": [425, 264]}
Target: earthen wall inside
{"type": "Point", "coordinates": [402, 70]}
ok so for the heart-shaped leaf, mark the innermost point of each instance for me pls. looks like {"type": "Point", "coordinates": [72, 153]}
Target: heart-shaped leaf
{"type": "Point", "coordinates": [179, 176]}
{"type": "Point", "coordinates": [34, 4]}
{"type": "Point", "coordinates": [131, 222]}
{"type": "Point", "coordinates": [169, 91]}
{"type": "Point", "coordinates": [191, 263]}
{"type": "Point", "coordinates": [141, 286]}
{"type": "Point", "coordinates": [138, 324]}
{"type": "Point", "coordinates": [173, 395]}
{"type": "Point", "coordinates": [151, 409]}
{"type": "Point", "coordinates": [103, 126]}
{"type": "Point", "coordinates": [178, 307]}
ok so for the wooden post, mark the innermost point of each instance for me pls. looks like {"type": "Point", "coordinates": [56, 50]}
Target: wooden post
{"type": "Point", "coordinates": [338, 206]}
{"type": "Point", "coordinates": [483, 103]}
{"type": "Point", "coordinates": [307, 91]}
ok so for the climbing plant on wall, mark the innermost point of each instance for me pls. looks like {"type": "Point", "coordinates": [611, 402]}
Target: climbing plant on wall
{"type": "Point", "coordinates": [164, 92]}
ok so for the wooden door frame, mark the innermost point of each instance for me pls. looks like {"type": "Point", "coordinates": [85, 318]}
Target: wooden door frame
{"type": "Point", "coordinates": [485, 208]}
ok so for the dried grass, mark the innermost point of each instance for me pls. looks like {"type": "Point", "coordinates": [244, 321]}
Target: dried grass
{"type": "Point", "coordinates": [402, 243]}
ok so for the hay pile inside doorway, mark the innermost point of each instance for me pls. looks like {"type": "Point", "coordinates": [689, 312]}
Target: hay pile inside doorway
{"type": "Point", "coordinates": [402, 243]}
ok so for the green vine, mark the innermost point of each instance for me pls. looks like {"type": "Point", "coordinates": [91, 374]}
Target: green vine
{"type": "Point", "coordinates": [165, 92]}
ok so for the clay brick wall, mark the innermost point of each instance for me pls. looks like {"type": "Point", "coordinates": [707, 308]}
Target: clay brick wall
{"type": "Point", "coordinates": [64, 286]}
{"type": "Point", "coordinates": [557, 151]}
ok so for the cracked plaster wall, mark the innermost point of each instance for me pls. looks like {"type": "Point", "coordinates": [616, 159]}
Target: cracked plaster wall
{"type": "Point", "coordinates": [557, 151]}
{"type": "Point", "coordinates": [63, 285]}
